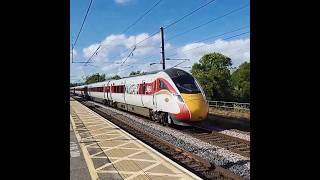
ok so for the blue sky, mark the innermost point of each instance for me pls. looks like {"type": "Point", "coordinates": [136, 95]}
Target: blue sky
{"type": "Point", "coordinates": [108, 18]}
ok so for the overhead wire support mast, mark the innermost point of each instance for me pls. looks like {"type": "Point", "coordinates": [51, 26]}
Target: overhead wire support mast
{"type": "Point", "coordinates": [162, 49]}
{"type": "Point", "coordinates": [72, 53]}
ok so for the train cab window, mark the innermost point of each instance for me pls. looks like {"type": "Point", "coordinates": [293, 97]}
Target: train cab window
{"type": "Point", "coordinates": [183, 80]}
{"type": "Point", "coordinates": [162, 85]}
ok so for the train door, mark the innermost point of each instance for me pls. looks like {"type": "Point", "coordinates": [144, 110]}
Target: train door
{"type": "Point", "coordinates": [103, 91]}
{"type": "Point", "coordinates": [143, 91]}
{"type": "Point", "coordinates": [124, 91]}
{"type": "Point", "coordinates": [85, 92]}
{"type": "Point", "coordinates": [106, 91]}
{"type": "Point", "coordinates": [154, 98]}
{"type": "Point", "coordinates": [111, 89]}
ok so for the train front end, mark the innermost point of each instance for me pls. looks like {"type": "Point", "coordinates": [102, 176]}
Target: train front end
{"type": "Point", "coordinates": [192, 102]}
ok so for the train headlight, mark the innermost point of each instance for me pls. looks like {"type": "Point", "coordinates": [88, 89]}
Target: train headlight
{"type": "Point", "coordinates": [178, 98]}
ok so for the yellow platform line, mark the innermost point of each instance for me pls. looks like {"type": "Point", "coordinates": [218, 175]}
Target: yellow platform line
{"type": "Point", "coordinates": [92, 171]}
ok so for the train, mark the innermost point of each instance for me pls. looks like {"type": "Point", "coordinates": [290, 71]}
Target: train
{"type": "Point", "coordinates": [170, 96]}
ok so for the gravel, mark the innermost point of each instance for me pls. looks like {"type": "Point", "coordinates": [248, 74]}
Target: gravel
{"type": "Point", "coordinates": [237, 134]}
{"type": "Point", "coordinates": [236, 163]}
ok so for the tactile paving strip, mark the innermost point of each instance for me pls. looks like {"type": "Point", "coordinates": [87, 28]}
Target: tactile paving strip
{"type": "Point", "coordinates": [116, 155]}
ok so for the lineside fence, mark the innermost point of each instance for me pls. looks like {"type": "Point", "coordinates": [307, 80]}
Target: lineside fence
{"type": "Point", "coordinates": [233, 106]}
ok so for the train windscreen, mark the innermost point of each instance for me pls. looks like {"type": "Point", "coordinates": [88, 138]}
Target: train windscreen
{"type": "Point", "coordinates": [183, 80]}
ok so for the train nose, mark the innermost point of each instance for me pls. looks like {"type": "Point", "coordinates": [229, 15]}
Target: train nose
{"type": "Point", "coordinates": [197, 106]}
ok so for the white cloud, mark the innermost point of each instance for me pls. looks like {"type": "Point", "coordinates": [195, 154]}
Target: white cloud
{"type": "Point", "coordinates": [121, 1]}
{"type": "Point", "coordinates": [87, 52]}
{"type": "Point", "coordinates": [114, 51]}
{"type": "Point", "coordinates": [78, 73]}
{"type": "Point", "coordinates": [113, 45]}
{"type": "Point", "coordinates": [238, 50]}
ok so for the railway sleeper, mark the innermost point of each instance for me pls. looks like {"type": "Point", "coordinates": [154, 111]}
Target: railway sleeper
{"type": "Point", "coordinates": [179, 157]}
{"type": "Point", "coordinates": [223, 141]}
{"type": "Point", "coordinates": [243, 149]}
{"type": "Point", "coordinates": [237, 147]}
{"type": "Point", "coordinates": [233, 145]}
{"type": "Point", "coordinates": [194, 165]}
{"type": "Point", "coordinates": [200, 169]}
{"type": "Point", "coordinates": [187, 160]}
{"type": "Point", "coordinates": [213, 139]}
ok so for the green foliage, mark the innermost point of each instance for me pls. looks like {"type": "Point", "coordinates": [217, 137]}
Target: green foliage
{"type": "Point", "coordinates": [213, 74]}
{"type": "Point", "coordinates": [99, 78]}
{"type": "Point", "coordinates": [116, 77]}
{"type": "Point", "coordinates": [241, 83]}
{"type": "Point", "coordinates": [133, 73]}
{"type": "Point", "coordinates": [95, 78]}
{"type": "Point", "coordinates": [75, 84]}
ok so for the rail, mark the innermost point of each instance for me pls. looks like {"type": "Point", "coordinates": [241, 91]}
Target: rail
{"type": "Point", "coordinates": [234, 106]}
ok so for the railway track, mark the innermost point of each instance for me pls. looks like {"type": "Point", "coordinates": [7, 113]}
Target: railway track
{"type": "Point", "coordinates": [196, 164]}
{"type": "Point", "coordinates": [230, 143]}
{"type": "Point", "coordinates": [213, 137]}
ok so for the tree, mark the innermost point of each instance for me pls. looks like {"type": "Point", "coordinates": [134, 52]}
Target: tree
{"type": "Point", "coordinates": [213, 74]}
{"type": "Point", "coordinates": [133, 73]}
{"type": "Point", "coordinates": [116, 77]}
{"type": "Point", "coordinates": [95, 78]}
{"type": "Point", "coordinates": [241, 83]}
{"type": "Point", "coordinates": [76, 84]}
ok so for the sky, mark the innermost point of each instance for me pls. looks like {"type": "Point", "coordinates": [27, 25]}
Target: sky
{"type": "Point", "coordinates": [107, 21]}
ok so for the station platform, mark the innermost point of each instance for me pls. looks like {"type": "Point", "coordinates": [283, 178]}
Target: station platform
{"type": "Point", "coordinates": [111, 153]}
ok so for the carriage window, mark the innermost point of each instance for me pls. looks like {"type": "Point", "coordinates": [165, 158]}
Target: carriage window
{"type": "Point", "coordinates": [121, 89]}
{"type": "Point", "coordinates": [162, 85]}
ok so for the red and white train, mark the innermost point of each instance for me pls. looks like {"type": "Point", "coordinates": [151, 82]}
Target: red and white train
{"type": "Point", "coordinates": [170, 96]}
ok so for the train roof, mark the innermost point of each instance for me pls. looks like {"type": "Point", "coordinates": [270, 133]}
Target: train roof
{"type": "Point", "coordinates": [172, 72]}
{"type": "Point", "coordinates": [143, 73]}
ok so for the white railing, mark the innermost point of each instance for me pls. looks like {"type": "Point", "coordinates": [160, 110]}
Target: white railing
{"type": "Point", "coordinates": [235, 106]}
